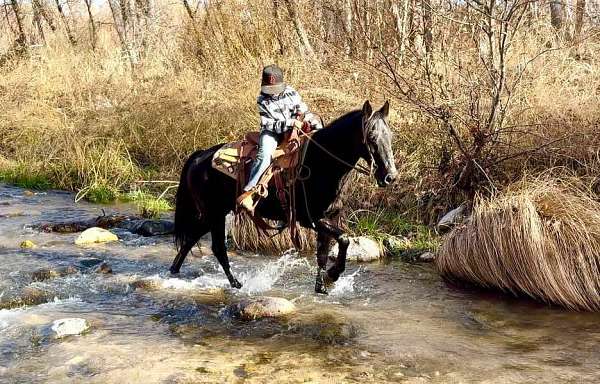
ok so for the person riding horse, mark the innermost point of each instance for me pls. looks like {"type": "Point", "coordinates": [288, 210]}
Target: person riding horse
{"type": "Point", "coordinates": [280, 108]}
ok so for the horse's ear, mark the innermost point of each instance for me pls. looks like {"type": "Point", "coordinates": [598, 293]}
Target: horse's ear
{"type": "Point", "coordinates": [367, 110]}
{"type": "Point", "coordinates": [385, 110]}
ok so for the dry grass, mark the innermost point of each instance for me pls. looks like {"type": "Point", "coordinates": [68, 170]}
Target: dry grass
{"type": "Point", "coordinates": [84, 120]}
{"type": "Point", "coordinates": [540, 240]}
{"type": "Point", "coordinates": [245, 235]}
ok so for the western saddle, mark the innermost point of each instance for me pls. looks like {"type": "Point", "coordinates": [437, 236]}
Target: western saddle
{"type": "Point", "coordinates": [235, 159]}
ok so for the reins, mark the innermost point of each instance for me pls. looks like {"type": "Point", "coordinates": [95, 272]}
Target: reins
{"type": "Point", "coordinates": [357, 167]}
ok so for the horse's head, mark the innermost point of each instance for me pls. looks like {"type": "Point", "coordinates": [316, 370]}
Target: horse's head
{"type": "Point", "coordinates": [377, 138]}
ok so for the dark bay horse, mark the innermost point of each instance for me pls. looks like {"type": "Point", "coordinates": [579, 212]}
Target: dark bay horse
{"type": "Point", "coordinates": [205, 195]}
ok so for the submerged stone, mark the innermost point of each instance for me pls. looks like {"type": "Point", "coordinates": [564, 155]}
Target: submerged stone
{"type": "Point", "coordinates": [326, 328]}
{"type": "Point", "coordinates": [361, 249]}
{"type": "Point", "coordinates": [261, 307]}
{"type": "Point", "coordinates": [95, 235]}
{"type": "Point", "coordinates": [69, 326]}
{"type": "Point", "coordinates": [51, 273]}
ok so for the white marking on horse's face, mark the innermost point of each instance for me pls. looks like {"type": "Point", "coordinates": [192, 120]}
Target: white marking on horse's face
{"type": "Point", "coordinates": [378, 138]}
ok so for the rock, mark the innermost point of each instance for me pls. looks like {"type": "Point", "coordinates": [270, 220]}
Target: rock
{"type": "Point", "coordinates": [451, 219]}
{"type": "Point", "coordinates": [69, 326]}
{"type": "Point", "coordinates": [28, 193]}
{"type": "Point", "coordinates": [148, 227]}
{"type": "Point", "coordinates": [27, 244]}
{"type": "Point", "coordinates": [104, 268]}
{"type": "Point", "coordinates": [47, 273]}
{"type": "Point", "coordinates": [326, 328]}
{"type": "Point", "coordinates": [427, 257]}
{"type": "Point", "coordinates": [95, 235]}
{"type": "Point", "coordinates": [260, 307]}
{"type": "Point", "coordinates": [361, 249]}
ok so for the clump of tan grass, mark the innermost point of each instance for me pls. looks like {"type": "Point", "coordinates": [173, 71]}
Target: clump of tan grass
{"type": "Point", "coordinates": [246, 236]}
{"type": "Point", "coordinates": [540, 240]}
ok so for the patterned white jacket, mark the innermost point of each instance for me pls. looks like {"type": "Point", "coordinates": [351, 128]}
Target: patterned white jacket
{"type": "Point", "coordinates": [277, 113]}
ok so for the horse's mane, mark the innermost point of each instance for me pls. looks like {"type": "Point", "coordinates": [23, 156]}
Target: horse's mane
{"type": "Point", "coordinates": [344, 120]}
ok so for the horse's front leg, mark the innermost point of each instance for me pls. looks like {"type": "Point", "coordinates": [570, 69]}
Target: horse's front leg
{"type": "Point", "coordinates": [323, 247]}
{"type": "Point", "coordinates": [335, 232]}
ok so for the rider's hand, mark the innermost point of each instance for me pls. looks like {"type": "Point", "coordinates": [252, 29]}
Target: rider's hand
{"type": "Point", "coordinates": [306, 127]}
{"type": "Point", "coordinates": [298, 124]}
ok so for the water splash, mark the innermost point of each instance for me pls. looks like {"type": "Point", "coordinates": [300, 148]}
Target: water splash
{"type": "Point", "coordinates": [345, 284]}
{"type": "Point", "coordinates": [263, 278]}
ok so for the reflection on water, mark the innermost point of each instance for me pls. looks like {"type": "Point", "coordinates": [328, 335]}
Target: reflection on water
{"type": "Point", "coordinates": [387, 322]}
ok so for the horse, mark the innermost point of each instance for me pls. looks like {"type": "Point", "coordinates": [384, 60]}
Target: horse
{"type": "Point", "coordinates": [205, 196]}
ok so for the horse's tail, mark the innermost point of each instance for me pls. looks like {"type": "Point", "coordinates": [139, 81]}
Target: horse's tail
{"type": "Point", "coordinates": [187, 208]}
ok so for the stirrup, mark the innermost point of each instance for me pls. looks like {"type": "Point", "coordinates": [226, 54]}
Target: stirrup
{"type": "Point", "coordinates": [246, 201]}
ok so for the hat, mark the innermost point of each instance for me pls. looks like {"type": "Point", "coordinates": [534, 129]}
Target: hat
{"type": "Point", "coordinates": [272, 80]}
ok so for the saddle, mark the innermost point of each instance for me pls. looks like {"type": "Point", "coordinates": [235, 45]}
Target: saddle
{"type": "Point", "coordinates": [235, 159]}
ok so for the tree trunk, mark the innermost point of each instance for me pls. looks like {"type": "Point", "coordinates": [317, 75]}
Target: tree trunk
{"type": "Point", "coordinates": [348, 30]}
{"type": "Point", "coordinates": [70, 35]}
{"type": "Point", "coordinates": [292, 8]}
{"type": "Point", "coordinates": [556, 14]}
{"type": "Point", "coordinates": [401, 19]}
{"type": "Point", "coordinates": [427, 27]}
{"type": "Point", "coordinates": [93, 33]}
{"type": "Point", "coordinates": [278, 23]}
{"type": "Point", "coordinates": [579, 12]}
{"type": "Point", "coordinates": [21, 37]}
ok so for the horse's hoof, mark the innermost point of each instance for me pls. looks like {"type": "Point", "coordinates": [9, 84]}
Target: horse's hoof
{"type": "Point", "coordinates": [235, 284]}
{"type": "Point", "coordinates": [331, 276]}
{"type": "Point", "coordinates": [174, 271]}
{"type": "Point", "coordinates": [321, 288]}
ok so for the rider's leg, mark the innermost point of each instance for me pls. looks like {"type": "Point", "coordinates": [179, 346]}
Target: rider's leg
{"type": "Point", "coordinates": [267, 144]}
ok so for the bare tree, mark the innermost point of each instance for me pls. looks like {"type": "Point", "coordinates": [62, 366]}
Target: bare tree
{"type": "Point", "coordinates": [427, 26]}
{"type": "Point", "coordinates": [400, 10]}
{"type": "Point", "coordinates": [92, 23]}
{"type": "Point", "coordinates": [292, 8]}
{"type": "Point", "coordinates": [579, 12]}
{"type": "Point", "coordinates": [65, 21]}
{"type": "Point", "coordinates": [21, 36]}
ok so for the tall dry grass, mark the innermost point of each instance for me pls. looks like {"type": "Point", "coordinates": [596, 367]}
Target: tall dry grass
{"type": "Point", "coordinates": [84, 118]}
{"type": "Point", "coordinates": [540, 240]}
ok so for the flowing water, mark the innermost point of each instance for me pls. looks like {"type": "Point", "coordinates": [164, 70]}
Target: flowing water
{"type": "Point", "coordinates": [382, 322]}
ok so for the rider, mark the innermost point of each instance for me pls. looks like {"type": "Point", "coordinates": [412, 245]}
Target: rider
{"type": "Point", "coordinates": [280, 108]}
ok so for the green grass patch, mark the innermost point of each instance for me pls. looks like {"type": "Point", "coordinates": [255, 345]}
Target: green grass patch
{"type": "Point", "coordinates": [23, 176]}
{"type": "Point", "coordinates": [149, 206]}
{"type": "Point", "coordinates": [102, 194]}
{"type": "Point", "coordinates": [391, 229]}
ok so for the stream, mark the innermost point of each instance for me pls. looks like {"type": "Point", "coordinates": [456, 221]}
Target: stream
{"type": "Point", "coordinates": [382, 322]}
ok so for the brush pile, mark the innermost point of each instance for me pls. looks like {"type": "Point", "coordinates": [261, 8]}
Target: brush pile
{"type": "Point", "coordinates": [540, 240]}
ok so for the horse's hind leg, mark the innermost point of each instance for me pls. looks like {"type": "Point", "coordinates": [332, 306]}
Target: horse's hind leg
{"type": "Point", "coordinates": [199, 231]}
{"type": "Point", "coordinates": [323, 247]}
{"type": "Point", "coordinates": [325, 227]}
{"type": "Point", "coordinates": [219, 249]}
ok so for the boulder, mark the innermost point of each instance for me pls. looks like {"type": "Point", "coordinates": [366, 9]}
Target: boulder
{"type": "Point", "coordinates": [95, 235]}
{"type": "Point", "coordinates": [44, 274]}
{"type": "Point", "coordinates": [69, 326]}
{"type": "Point", "coordinates": [261, 307]}
{"type": "Point", "coordinates": [361, 249]}
{"type": "Point", "coordinates": [451, 219]}
{"type": "Point", "coordinates": [27, 244]}
{"type": "Point", "coordinates": [148, 227]}
{"type": "Point", "coordinates": [427, 257]}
